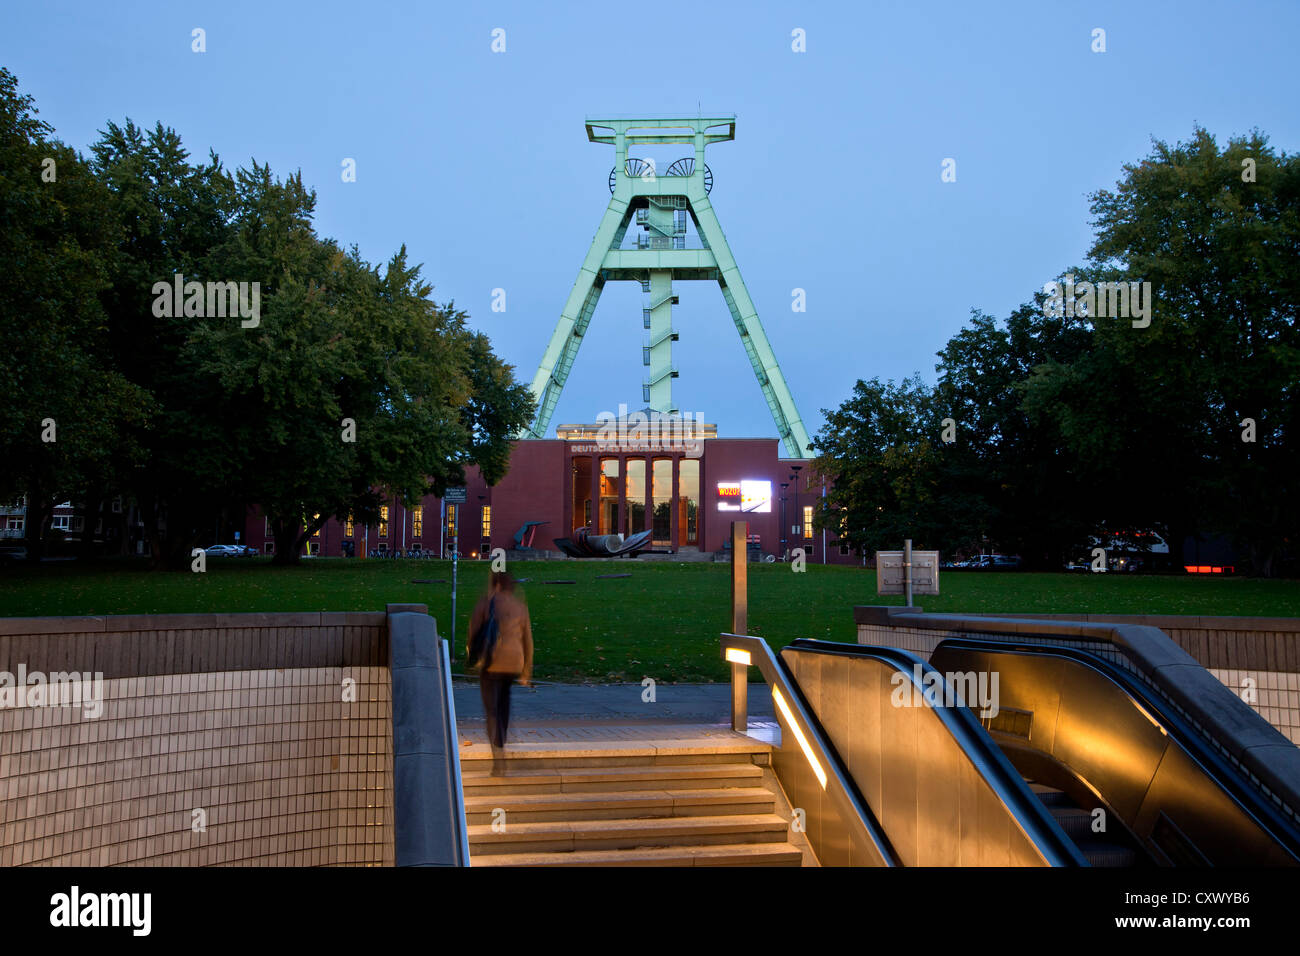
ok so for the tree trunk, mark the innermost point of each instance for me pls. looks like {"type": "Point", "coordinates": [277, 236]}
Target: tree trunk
{"type": "Point", "coordinates": [287, 543]}
{"type": "Point", "coordinates": [94, 503]}
{"type": "Point", "coordinates": [1261, 560]}
{"type": "Point", "coordinates": [38, 515]}
{"type": "Point", "coordinates": [149, 514]}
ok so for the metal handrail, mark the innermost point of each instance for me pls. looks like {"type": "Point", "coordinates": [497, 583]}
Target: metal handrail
{"type": "Point", "coordinates": [453, 750]}
{"type": "Point", "coordinates": [867, 836]}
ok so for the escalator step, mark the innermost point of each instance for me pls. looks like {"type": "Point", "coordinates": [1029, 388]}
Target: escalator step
{"type": "Point", "coordinates": [1076, 823]}
{"type": "Point", "coordinates": [1108, 854]}
{"type": "Point", "coordinates": [1051, 797]}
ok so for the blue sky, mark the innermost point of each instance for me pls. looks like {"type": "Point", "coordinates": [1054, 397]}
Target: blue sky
{"type": "Point", "coordinates": [479, 163]}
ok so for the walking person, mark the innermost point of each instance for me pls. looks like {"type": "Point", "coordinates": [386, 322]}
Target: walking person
{"type": "Point", "coordinates": [500, 642]}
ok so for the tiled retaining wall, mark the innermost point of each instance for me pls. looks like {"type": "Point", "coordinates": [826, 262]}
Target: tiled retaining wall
{"type": "Point", "coordinates": [246, 739]}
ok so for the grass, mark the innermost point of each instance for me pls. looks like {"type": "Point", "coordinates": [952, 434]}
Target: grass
{"type": "Point", "coordinates": [662, 622]}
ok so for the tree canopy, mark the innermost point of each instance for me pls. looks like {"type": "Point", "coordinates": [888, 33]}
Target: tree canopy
{"type": "Point", "coordinates": [1070, 426]}
{"type": "Point", "coordinates": [288, 373]}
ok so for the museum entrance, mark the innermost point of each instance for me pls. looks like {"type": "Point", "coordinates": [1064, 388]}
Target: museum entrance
{"type": "Point", "coordinates": [628, 494]}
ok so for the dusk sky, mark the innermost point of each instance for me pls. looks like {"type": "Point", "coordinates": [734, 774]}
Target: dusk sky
{"type": "Point", "coordinates": [479, 163]}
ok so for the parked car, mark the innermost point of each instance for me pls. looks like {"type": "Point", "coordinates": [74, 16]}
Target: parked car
{"type": "Point", "coordinates": [997, 562]}
{"type": "Point", "coordinates": [229, 551]}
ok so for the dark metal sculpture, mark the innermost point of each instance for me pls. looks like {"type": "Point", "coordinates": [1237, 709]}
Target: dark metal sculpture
{"type": "Point", "coordinates": [584, 544]}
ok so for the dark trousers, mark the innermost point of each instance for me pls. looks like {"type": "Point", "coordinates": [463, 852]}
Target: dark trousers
{"type": "Point", "coordinates": [495, 689]}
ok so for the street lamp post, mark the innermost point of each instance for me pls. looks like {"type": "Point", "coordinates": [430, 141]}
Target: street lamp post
{"type": "Point", "coordinates": [798, 515]}
{"type": "Point", "coordinates": [785, 554]}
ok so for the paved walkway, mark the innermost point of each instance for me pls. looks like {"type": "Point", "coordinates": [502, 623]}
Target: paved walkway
{"type": "Point", "coordinates": [692, 703]}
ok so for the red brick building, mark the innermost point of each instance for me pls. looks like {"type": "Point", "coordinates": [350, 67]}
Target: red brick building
{"type": "Point", "coordinates": [687, 492]}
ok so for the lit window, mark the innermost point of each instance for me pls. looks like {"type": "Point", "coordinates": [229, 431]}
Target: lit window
{"type": "Point", "coordinates": [316, 533]}
{"type": "Point", "coordinates": [417, 523]}
{"type": "Point", "coordinates": [383, 522]}
{"type": "Point", "coordinates": [349, 527]}
{"type": "Point", "coordinates": [451, 520]}
{"type": "Point", "coordinates": [807, 521]}
{"type": "Point", "coordinates": [487, 522]}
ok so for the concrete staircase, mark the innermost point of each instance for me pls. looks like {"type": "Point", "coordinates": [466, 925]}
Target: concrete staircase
{"type": "Point", "coordinates": [677, 802]}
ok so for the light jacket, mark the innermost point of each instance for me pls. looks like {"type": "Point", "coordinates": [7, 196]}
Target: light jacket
{"type": "Point", "coordinates": [513, 653]}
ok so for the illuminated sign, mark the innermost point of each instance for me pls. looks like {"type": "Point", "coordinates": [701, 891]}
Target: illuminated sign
{"type": "Point", "coordinates": [748, 496]}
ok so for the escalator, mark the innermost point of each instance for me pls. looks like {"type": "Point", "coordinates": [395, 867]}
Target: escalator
{"type": "Point", "coordinates": [1062, 759]}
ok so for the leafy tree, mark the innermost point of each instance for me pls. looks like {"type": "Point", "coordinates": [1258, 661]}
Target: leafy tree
{"type": "Point", "coordinates": [879, 450]}
{"type": "Point", "coordinates": [173, 215]}
{"type": "Point", "coordinates": [1217, 234]}
{"type": "Point", "coordinates": [57, 236]}
{"type": "Point", "coordinates": [498, 406]}
{"type": "Point", "coordinates": [355, 387]}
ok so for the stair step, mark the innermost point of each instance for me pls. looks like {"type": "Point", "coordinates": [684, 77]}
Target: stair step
{"type": "Point", "coordinates": [706, 747]}
{"type": "Point", "coordinates": [605, 779]}
{"type": "Point", "coordinates": [619, 804]}
{"type": "Point", "coordinates": [563, 835]}
{"type": "Point", "coordinates": [722, 854]}
{"type": "Point", "coordinates": [480, 758]}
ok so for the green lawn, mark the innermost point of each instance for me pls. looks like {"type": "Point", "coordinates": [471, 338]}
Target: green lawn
{"type": "Point", "coordinates": [662, 622]}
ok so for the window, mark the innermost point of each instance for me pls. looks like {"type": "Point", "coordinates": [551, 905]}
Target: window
{"type": "Point", "coordinates": [17, 523]}
{"type": "Point", "coordinates": [316, 533]}
{"type": "Point", "coordinates": [635, 495]}
{"type": "Point", "coordinates": [487, 522]}
{"type": "Point", "coordinates": [349, 528]}
{"type": "Point", "coordinates": [383, 522]}
{"type": "Point", "coordinates": [269, 547]}
{"type": "Point", "coordinates": [59, 522]}
{"type": "Point", "coordinates": [268, 532]}
{"type": "Point", "coordinates": [581, 477]}
{"type": "Point", "coordinates": [451, 520]}
{"type": "Point", "coordinates": [417, 523]}
{"type": "Point", "coordinates": [609, 488]}
{"type": "Point", "coordinates": [688, 500]}
{"type": "Point", "coordinates": [77, 523]}
{"type": "Point", "coordinates": [662, 495]}
{"type": "Point", "coordinates": [807, 522]}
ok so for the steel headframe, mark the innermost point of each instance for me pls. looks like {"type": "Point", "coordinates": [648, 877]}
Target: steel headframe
{"type": "Point", "coordinates": [657, 263]}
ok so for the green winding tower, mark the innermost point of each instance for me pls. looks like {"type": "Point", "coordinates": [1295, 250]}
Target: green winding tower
{"type": "Point", "coordinates": [659, 202]}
